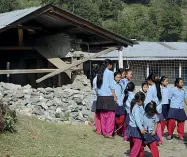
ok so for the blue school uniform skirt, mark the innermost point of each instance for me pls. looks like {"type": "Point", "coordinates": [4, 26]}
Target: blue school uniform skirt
{"type": "Point", "coordinates": [120, 110]}
{"type": "Point", "coordinates": [93, 109]}
{"type": "Point", "coordinates": [127, 119]}
{"type": "Point", "coordinates": [165, 110]}
{"type": "Point", "coordinates": [177, 114]}
{"type": "Point", "coordinates": [160, 116]}
{"type": "Point", "coordinates": [106, 103]}
{"type": "Point", "coordinates": [148, 138]}
{"type": "Point", "coordinates": [133, 132]}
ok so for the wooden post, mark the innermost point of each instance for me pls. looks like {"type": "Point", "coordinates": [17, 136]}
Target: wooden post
{"type": "Point", "coordinates": [180, 70]}
{"type": "Point", "coordinates": [8, 67]}
{"type": "Point", "coordinates": [20, 37]}
{"type": "Point", "coordinates": [147, 69]}
{"type": "Point", "coordinates": [114, 67]}
{"type": "Point", "coordinates": [120, 59]}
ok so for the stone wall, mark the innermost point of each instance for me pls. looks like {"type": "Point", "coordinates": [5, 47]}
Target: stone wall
{"type": "Point", "coordinates": [69, 103]}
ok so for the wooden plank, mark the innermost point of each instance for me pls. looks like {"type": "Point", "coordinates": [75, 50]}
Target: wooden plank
{"type": "Point", "coordinates": [59, 63]}
{"type": "Point", "coordinates": [11, 48]}
{"type": "Point", "coordinates": [20, 36]}
{"type": "Point", "coordinates": [30, 27]}
{"type": "Point", "coordinates": [76, 63]}
{"type": "Point", "coordinates": [32, 71]}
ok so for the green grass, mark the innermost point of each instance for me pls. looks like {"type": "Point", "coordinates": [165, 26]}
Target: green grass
{"type": "Point", "coordinates": [43, 139]}
{"type": "Point", "coordinates": [39, 138]}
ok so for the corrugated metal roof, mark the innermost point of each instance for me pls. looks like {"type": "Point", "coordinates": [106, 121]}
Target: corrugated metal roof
{"type": "Point", "coordinates": [10, 17]}
{"type": "Point", "coordinates": [152, 51]}
{"type": "Point", "coordinates": [51, 16]}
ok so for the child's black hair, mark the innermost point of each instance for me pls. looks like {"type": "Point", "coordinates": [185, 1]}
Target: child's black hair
{"type": "Point", "coordinates": [101, 72]}
{"type": "Point", "coordinates": [127, 70]}
{"type": "Point", "coordinates": [121, 70]}
{"type": "Point", "coordinates": [150, 109]}
{"type": "Point", "coordinates": [163, 78]}
{"type": "Point", "coordinates": [129, 88]}
{"type": "Point", "coordinates": [139, 96]}
{"type": "Point", "coordinates": [116, 73]}
{"type": "Point", "coordinates": [177, 81]}
{"type": "Point", "coordinates": [154, 78]}
{"type": "Point", "coordinates": [143, 84]}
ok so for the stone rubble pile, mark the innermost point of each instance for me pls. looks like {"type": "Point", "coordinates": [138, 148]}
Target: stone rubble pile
{"type": "Point", "coordinates": [69, 103]}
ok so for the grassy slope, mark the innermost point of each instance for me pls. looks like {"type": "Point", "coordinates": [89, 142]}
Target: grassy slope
{"type": "Point", "coordinates": [55, 140]}
{"type": "Point", "coordinates": [39, 138]}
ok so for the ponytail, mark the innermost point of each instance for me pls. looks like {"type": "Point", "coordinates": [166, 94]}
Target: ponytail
{"type": "Point", "coordinates": [158, 89]}
{"type": "Point", "coordinates": [129, 88]}
{"type": "Point", "coordinates": [155, 79]}
{"type": "Point", "coordinates": [101, 72]}
{"type": "Point", "coordinates": [126, 92]}
{"type": "Point", "coordinates": [133, 102]}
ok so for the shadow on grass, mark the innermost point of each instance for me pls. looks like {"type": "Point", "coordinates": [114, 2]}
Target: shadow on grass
{"type": "Point", "coordinates": [146, 153]}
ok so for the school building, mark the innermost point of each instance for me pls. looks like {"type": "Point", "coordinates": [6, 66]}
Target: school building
{"type": "Point", "coordinates": [161, 58]}
{"type": "Point", "coordinates": [43, 46]}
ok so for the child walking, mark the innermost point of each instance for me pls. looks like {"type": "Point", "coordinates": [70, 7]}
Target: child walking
{"type": "Point", "coordinates": [150, 125]}
{"type": "Point", "coordinates": [176, 112]}
{"type": "Point", "coordinates": [129, 95]}
{"type": "Point", "coordinates": [120, 112]}
{"type": "Point", "coordinates": [135, 129]}
{"type": "Point", "coordinates": [154, 94]}
{"type": "Point", "coordinates": [165, 101]}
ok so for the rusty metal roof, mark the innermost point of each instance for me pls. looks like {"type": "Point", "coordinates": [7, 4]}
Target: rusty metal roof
{"type": "Point", "coordinates": [52, 17]}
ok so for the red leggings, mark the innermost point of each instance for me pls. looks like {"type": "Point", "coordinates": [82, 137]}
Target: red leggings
{"type": "Point", "coordinates": [119, 123]}
{"type": "Point", "coordinates": [98, 123]}
{"type": "Point", "coordinates": [154, 149]}
{"type": "Point", "coordinates": [164, 124]}
{"type": "Point", "coordinates": [136, 147]}
{"type": "Point", "coordinates": [172, 125]}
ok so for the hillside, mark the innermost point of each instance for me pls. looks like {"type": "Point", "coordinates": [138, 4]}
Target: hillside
{"type": "Point", "coordinates": [144, 20]}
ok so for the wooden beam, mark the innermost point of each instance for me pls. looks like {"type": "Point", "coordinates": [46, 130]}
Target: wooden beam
{"type": "Point", "coordinates": [101, 43]}
{"type": "Point", "coordinates": [75, 64]}
{"type": "Point", "coordinates": [20, 36]}
{"type": "Point", "coordinates": [10, 48]}
{"type": "Point", "coordinates": [29, 27]}
{"type": "Point", "coordinates": [59, 63]}
{"type": "Point", "coordinates": [32, 71]}
{"type": "Point", "coordinates": [26, 71]}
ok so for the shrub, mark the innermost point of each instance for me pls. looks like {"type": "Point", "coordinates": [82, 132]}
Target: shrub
{"type": "Point", "coordinates": [8, 118]}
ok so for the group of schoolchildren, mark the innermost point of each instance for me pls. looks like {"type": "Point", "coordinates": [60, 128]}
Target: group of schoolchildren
{"type": "Point", "coordinates": [139, 117]}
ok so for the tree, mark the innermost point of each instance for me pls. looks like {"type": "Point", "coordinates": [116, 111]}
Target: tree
{"type": "Point", "coordinates": [109, 9]}
{"type": "Point", "coordinates": [84, 8]}
{"type": "Point", "coordinates": [171, 23]}
{"type": "Point", "coordinates": [9, 5]}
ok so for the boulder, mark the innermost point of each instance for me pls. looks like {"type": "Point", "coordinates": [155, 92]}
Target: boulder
{"type": "Point", "coordinates": [10, 86]}
{"type": "Point", "coordinates": [74, 114]}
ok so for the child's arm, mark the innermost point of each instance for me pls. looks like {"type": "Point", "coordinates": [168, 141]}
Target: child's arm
{"type": "Point", "coordinates": [114, 94]}
{"type": "Point", "coordinates": [156, 120]}
{"type": "Point", "coordinates": [185, 97]}
{"type": "Point", "coordinates": [155, 127]}
{"type": "Point", "coordinates": [138, 122]}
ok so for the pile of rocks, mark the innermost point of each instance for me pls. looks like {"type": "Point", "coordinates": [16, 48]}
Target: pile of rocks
{"type": "Point", "coordinates": [69, 103]}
